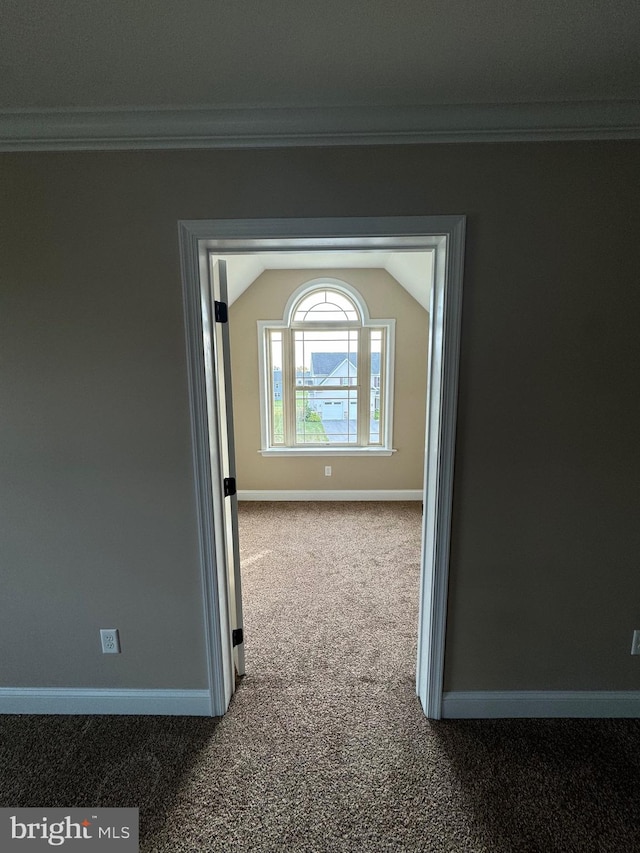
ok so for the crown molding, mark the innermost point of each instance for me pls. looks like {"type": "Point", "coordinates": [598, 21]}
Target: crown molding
{"type": "Point", "coordinates": [246, 127]}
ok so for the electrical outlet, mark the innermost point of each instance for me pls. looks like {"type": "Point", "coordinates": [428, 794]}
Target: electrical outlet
{"type": "Point", "coordinates": [110, 639]}
{"type": "Point", "coordinates": [327, 470]}
{"type": "Point", "coordinates": [635, 643]}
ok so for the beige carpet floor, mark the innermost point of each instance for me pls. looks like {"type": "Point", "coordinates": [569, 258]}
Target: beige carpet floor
{"type": "Point", "coordinates": [325, 746]}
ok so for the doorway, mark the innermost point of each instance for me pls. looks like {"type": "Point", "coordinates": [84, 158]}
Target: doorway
{"type": "Point", "coordinates": [201, 240]}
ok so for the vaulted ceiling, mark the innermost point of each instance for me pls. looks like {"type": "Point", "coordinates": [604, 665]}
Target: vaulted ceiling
{"type": "Point", "coordinates": [413, 270]}
{"type": "Point", "coordinates": [250, 68]}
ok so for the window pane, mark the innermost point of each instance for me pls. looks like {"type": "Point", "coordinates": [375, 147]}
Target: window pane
{"type": "Point", "coordinates": [275, 360]}
{"type": "Point", "coordinates": [309, 427]}
{"type": "Point", "coordinates": [328, 357]}
{"type": "Point", "coordinates": [327, 417]}
{"type": "Point", "coordinates": [376, 387]}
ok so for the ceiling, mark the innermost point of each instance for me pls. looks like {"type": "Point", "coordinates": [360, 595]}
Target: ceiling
{"type": "Point", "coordinates": [413, 270]}
{"type": "Point", "coordinates": [84, 66]}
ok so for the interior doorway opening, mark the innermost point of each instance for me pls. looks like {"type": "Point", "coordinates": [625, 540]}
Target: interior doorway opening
{"type": "Point", "coordinates": [202, 244]}
{"type": "Point", "coordinates": [312, 333]}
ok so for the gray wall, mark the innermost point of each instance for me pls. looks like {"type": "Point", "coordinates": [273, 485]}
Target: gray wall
{"type": "Point", "coordinates": [97, 522]}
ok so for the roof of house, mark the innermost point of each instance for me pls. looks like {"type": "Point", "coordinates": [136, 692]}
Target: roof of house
{"type": "Point", "coordinates": [326, 363]}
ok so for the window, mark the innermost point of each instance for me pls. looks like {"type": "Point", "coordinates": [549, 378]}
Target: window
{"type": "Point", "coordinates": [326, 375]}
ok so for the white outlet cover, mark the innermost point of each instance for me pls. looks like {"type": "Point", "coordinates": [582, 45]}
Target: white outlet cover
{"type": "Point", "coordinates": [110, 640]}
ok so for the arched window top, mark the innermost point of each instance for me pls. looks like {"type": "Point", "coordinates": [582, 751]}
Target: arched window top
{"type": "Point", "coordinates": [326, 301]}
{"type": "Point", "coordinates": [322, 306]}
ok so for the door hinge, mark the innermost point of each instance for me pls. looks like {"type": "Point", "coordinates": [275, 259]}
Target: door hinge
{"type": "Point", "coordinates": [221, 312]}
{"type": "Point", "coordinates": [237, 637]}
{"type": "Point", "coordinates": [229, 486]}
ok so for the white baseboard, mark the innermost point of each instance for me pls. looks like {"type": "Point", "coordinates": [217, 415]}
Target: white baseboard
{"type": "Point", "coordinates": [330, 495]}
{"type": "Point", "coordinates": [481, 704]}
{"type": "Point", "coordinates": [59, 700]}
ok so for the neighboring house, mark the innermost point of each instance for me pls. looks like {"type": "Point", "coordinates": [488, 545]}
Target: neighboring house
{"type": "Point", "coordinates": [277, 382]}
{"type": "Point", "coordinates": [331, 369]}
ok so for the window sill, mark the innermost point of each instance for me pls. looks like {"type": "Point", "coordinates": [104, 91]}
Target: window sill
{"type": "Point", "coordinates": [329, 451]}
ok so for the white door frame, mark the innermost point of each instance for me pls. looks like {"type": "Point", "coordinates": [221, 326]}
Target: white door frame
{"type": "Point", "coordinates": [443, 234]}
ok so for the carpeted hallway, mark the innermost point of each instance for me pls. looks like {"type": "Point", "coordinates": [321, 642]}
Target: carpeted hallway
{"type": "Point", "coordinates": [325, 747]}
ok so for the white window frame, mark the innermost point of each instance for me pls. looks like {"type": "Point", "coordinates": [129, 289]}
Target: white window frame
{"type": "Point", "coordinates": [385, 448]}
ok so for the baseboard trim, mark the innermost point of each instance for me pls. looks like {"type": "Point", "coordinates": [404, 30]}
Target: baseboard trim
{"type": "Point", "coordinates": [330, 495]}
{"type": "Point", "coordinates": [54, 700]}
{"type": "Point", "coordinates": [455, 705]}
{"type": "Point", "coordinates": [483, 704]}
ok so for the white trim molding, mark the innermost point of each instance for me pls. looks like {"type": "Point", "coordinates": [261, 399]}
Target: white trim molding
{"type": "Point", "coordinates": [207, 478]}
{"type": "Point", "coordinates": [487, 704]}
{"type": "Point", "coordinates": [59, 700]}
{"type": "Point", "coordinates": [445, 318]}
{"type": "Point", "coordinates": [442, 235]}
{"type": "Point", "coordinates": [330, 495]}
{"type": "Point", "coordinates": [81, 129]}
